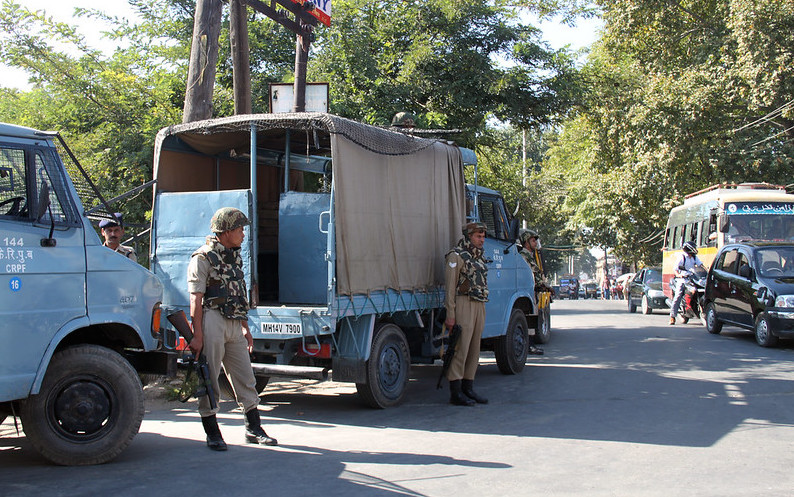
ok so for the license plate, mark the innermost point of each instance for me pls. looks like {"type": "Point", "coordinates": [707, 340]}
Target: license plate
{"type": "Point", "coordinates": [282, 328]}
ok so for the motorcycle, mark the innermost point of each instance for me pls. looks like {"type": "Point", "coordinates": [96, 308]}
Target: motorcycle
{"type": "Point", "coordinates": [693, 303]}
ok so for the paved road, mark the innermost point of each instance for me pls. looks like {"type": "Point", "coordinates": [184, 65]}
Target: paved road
{"type": "Point", "coordinates": [621, 404]}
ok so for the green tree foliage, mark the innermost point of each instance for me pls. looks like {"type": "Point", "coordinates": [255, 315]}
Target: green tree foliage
{"type": "Point", "coordinates": [453, 63]}
{"type": "Point", "coordinates": [681, 95]}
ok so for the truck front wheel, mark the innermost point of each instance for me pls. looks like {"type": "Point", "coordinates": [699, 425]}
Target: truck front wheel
{"type": "Point", "coordinates": [88, 410]}
{"type": "Point", "coordinates": [512, 348]}
{"type": "Point", "coordinates": [388, 368]}
{"type": "Point", "coordinates": [543, 330]}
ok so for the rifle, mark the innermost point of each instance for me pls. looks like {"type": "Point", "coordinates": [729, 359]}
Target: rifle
{"type": "Point", "coordinates": [449, 353]}
{"type": "Point", "coordinates": [198, 366]}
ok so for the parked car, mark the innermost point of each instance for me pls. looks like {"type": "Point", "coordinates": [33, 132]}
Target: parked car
{"type": "Point", "coordinates": [645, 290]}
{"type": "Point", "coordinates": [751, 285]}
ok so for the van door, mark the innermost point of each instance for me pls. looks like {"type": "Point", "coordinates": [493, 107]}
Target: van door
{"type": "Point", "coordinates": [180, 225]}
{"type": "Point", "coordinates": [501, 267]}
{"type": "Point", "coordinates": [43, 287]}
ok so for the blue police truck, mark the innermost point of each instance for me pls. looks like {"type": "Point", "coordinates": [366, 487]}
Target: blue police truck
{"type": "Point", "coordinates": [79, 321]}
{"type": "Point", "coordinates": [344, 259]}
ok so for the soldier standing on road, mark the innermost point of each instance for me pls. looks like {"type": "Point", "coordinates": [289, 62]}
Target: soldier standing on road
{"type": "Point", "coordinates": [219, 315]}
{"type": "Point", "coordinates": [113, 231]}
{"type": "Point", "coordinates": [530, 251]}
{"type": "Point", "coordinates": [466, 294]}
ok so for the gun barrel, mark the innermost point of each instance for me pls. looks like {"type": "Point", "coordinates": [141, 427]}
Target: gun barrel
{"type": "Point", "coordinates": [179, 320]}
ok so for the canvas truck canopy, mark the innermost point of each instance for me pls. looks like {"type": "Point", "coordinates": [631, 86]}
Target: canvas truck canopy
{"type": "Point", "coordinates": [398, 200]}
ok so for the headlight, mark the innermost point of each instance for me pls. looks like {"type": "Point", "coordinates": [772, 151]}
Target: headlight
{"type": "Point", "coordinates": [655, 294]}
{"type": "Point", "coordinates": [784, 301]}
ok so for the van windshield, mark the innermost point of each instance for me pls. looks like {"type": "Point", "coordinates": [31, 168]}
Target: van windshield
{"type": "Point", "coordinates": [775, 262]}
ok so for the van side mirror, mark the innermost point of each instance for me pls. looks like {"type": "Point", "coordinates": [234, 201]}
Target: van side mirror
{"type": "Point", "coordinates": [724, 223]}
{"type": "Point", "coordinates": [513, 235]}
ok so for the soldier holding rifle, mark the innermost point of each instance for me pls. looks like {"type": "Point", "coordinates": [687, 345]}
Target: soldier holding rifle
{"type": "Point", "coordinates": [466, 294]}
{"type": "Point", "coordinates": [219, 314]}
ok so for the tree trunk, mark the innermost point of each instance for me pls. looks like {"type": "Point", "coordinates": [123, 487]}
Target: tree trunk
{"type": "Point", "coordinates": [241, 66]}
{"type": "Point", "coordinates": [203, 61]}
{"type": "Point", "coordinates": [301, 58]}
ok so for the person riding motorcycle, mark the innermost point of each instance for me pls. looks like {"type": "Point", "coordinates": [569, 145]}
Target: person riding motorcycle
{"type": "Point", "coordinates": [686, 262]}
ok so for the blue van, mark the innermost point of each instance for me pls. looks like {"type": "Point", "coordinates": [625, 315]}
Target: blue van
{"type": "Point", "coordinates": [79, 321]}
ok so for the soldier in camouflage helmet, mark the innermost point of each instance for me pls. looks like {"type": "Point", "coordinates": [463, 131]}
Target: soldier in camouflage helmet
{"type": "Point", "coordinates": [466, 281]}
{"type": "Point", "coordinates": [403, 120]}
{"type": "Point", "coordinates": [219, 314]}
{"type": "Point", "coordinates": [530, 251]}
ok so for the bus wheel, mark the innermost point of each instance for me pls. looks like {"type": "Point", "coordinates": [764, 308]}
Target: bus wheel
{"type": "Point", "coordinates": [387, 369]}
{"type": "Point", "coordinates": [512, 348]}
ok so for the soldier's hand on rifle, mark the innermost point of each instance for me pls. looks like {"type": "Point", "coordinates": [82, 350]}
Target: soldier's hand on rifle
{"type": "Point", "coordinates": [449, 323]}
{"type": "Point", "coordinates": [197, 344]}
{"type": "Point", "coordinates": [248, 337]}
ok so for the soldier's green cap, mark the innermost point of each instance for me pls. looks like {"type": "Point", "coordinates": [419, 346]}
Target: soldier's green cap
{"type": "Point", "coordinates": [227, 219]}
{"type": "Point", "coordinates": [470, 228]}
{"type": "Point", "coordinates": [526, 235]}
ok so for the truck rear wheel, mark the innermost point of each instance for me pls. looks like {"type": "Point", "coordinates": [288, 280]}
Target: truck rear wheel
{"type": "Point", "coordinates": [512, 348]}
{"type": "Point", "coordinates": [543, 330]}
{"type": "Point", "coordinates": [89, 408]}
{"type": "Point", "coordinates": [388, 368]}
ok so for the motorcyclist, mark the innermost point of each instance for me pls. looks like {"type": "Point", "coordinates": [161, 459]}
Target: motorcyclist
{"type": "Point", "coordinates": [686, 263]}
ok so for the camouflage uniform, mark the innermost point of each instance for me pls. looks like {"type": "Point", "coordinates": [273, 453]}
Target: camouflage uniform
{"type": "Point", "coordinates": [533, 259]}
{"type": "Point", "coordinates": [216, 272]}
{"type": "Point", "coordinates": [466, 294]}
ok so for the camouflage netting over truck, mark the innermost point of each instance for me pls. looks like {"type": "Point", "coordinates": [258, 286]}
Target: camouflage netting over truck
{"type": "Point", "coordinates": [399, 200]}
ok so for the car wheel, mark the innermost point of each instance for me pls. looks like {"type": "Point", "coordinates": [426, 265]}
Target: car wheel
{"type": "Point", "coordinates": [763, 332]}
{"type": "Point", "coordinates": [646, 306]}
{"type": "Point", "coordinates": [632, 305]}
{"type": "Point", "coordinates": [713, 324]}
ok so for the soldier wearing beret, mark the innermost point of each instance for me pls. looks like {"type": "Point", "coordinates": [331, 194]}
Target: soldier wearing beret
{"type": "Point", "coordinates": [466, 281]}
{"type": "Point", "coordinates": [113, 231]}
{"type": "Point", "coordinates": [219, 315]}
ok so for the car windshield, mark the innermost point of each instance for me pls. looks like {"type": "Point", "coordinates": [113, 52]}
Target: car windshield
{"type": "Point", "coordinates": [653, 276]}
{"type": "Point", "coordinates": [775, 262]}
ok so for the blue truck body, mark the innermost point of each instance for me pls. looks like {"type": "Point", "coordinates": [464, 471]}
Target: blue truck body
{"type": "Point", "coordinates": [79, 321]}
{"type": "Point", "coordinates": [303, 323]}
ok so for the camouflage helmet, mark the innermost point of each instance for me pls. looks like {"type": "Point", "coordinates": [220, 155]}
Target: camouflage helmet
{"type": "Point", "coordinates": [470, 228]}
{"type": "Point", "coordinates": [227, 219]}
{"type": "Point", "coordinates": [404, 120]}
{"type": "Point", "coordinates": [526, 235]}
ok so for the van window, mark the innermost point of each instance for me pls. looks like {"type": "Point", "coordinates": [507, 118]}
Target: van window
{"type": "Point", "coordinates": [728, 261]}
{"type": "Point", "coordinates": [494, 217]}
{"type": "Point", "coordinates": [49, 174]}
{"type": "Point", "coordinates": [13, 183]}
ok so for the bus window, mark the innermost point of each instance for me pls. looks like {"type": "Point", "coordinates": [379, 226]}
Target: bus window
{"type": "Point", "coordinates": [675, 242]}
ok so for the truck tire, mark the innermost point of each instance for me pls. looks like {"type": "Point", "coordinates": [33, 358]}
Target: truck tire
{"type": "Point", "coordinates": [88, 410]}
{"type": "Point", "coordinates": [227, 392]}
{"type": "Point", "coordinates": [543, 331]}
{"type": "Point", "coordinates": [388, 368]}
{"type": "Point", "coordinates": [512, 348]}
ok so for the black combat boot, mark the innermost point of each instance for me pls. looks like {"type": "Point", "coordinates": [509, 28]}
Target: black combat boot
{"type": "Point", "coordinates": [456, 397]}
{"type": "Point", "coordinates": [253, 429]}
{"type": "Point", "coordinates": [468, 391]}
{"type": "Point", "coordinates": [213, 431]}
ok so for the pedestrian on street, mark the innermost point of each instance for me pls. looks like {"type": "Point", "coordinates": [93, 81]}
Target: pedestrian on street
{"type": "Point", "coordinates": [219, 315]}
{"type": "Point", "coordinates": [466, 294]}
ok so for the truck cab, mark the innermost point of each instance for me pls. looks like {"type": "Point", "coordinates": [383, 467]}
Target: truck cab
{"type": "Point", "coordinates": [79, 320]}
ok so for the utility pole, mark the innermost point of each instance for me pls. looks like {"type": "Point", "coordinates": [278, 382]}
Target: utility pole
{"type": "Point", "coordinates": [203, 61]}
{"type": "Point", "coordinates": [302, 43]}
{"type": "Point", "coordinates": [524, 166]}
{"type": "Point", "coordinates": [241, 65]}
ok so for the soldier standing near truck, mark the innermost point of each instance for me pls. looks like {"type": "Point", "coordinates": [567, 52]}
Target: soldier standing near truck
{"type": "Point", "coordinates": [219, 314]}
{"type": "Point", "coordinates": [530, 251]}
{"type": "Point", "coordinates": [466, 294]}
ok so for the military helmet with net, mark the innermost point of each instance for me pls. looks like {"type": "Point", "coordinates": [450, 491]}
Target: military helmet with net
{"type": "Point", "coordinates": [525, 236]}
{"type": "Point", "coordinates": [227, 219]}
{"type": "Point", "coordinates": [471, 228]}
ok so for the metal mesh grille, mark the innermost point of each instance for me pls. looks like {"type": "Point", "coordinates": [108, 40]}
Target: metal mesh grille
{"type": "Point", "coordinates": [92, 203]}
{"type": "Point", "coordinates": [377, 140]}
